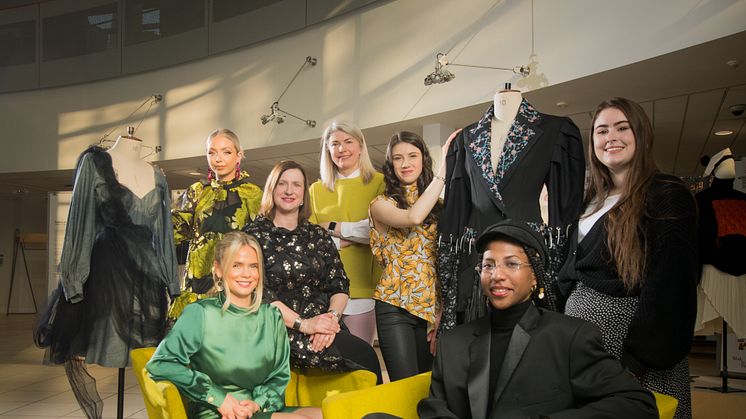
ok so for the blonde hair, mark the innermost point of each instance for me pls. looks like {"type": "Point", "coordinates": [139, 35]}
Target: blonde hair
{"type": "Point", "coordinates": [230, 135]}
{"type": "Point", "coordinates": [327, 168]}
{"type": "Point", "coordinates": [267, 207]}
{"type": "Point", "coordinates": [225, 255]}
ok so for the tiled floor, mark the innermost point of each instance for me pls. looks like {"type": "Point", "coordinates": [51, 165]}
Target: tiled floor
{"type": "Point", "coordinates": [29, 390]}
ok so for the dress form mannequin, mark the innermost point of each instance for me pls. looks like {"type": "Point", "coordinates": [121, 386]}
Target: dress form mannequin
{"type": "Point", "coordinates": [497, 169]}
{"type": "Point", "coordinates": [130, 170]}
{"type": "Point", "coordinates": [722, 165]}
{"type": "Point", "coordinates": [722, 240]}
{"type": "Point", "coordinates": [117, 267]}
{"type": "Point", "coordinates": [507, 102]}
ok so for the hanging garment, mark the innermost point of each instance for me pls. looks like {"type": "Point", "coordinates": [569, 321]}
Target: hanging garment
{"type": "Point", "coordinates": [539, 150]}
{"type": "Point", "coordinates": [118, 266]}
{"type": "Point", "coordinates": [722, 227]}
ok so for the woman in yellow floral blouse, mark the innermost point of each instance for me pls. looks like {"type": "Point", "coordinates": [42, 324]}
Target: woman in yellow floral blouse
{"type": "Point", "coordinates": [208, 209]}
{"type": "Point", "coordinates": [403, 242]}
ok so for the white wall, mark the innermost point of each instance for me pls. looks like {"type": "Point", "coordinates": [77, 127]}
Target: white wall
{"type": "Point", "coordinates": [371, 70]}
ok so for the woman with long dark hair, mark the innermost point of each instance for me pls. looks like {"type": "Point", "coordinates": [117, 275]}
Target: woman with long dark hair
{"type": "Point", "coordinates": [403, 241]}
{"type": "Point", "coordinates": [635, 269]}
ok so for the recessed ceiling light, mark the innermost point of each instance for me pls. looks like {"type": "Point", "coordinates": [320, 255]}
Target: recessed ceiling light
{"type": "Point", "coordinates": [724, 132]}
{"type": "Point", "coordinates": [733, 63]}
{"type": "Point", "coordinates": [195, 173]}
{"type": "Point", "coordinates": [561, 104]}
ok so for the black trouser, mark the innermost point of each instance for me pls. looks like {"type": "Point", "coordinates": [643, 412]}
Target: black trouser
{"type": "Point", "coordinates": [358, 351]}
{"type": "Point", "coordinates": [403, 341]}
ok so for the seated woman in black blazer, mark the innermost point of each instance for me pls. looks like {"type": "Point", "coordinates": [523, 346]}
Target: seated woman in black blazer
{"type": "Point", "coordinates": [520, 361]}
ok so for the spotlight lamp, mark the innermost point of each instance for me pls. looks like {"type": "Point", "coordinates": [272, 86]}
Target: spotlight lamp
{"type": "Point", "coordinates": [279, 115]}
{"type": "Point", "coordinates": [442, 75]}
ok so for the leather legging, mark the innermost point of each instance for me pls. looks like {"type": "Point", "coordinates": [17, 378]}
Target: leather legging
{"type": "Point", "coordinates": [402, 338]}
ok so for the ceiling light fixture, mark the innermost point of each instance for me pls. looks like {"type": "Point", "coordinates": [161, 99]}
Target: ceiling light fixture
{"type": "Point", "coordinates": [723, 132]}
{"type": "Point", "coordinates": [278, 115]}
{"type": "Point", "coordinates": [442, 75]}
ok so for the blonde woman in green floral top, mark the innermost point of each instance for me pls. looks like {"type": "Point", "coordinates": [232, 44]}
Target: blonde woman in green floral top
{"type": "Point", "coordinates": [208, 209]}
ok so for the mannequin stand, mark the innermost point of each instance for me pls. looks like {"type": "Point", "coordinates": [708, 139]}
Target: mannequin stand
{"type": "Point", "coordinates": [724, 374]}
{"type": "Point", "coordinates": [120, 395]}
{"type": "Point", "coordinates": [18, 244]}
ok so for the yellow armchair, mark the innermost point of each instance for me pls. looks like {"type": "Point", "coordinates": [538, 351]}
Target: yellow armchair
{"type": "Point", "coordinates": [162, 398]}
{"type": "Point", "coordinates": [306, 388]}
{"type": "Point", "coordinates": [400, 398]}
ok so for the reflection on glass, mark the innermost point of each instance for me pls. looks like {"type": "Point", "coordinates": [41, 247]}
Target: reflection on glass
{"type": "Point", "coordinates": [80, 32]}
{"type": "Point", "coordinates": [18, 42]}
{"type": "Point", "coordinates": [225, 9]}
{"type": "Point", "coordinates": [148, 20]}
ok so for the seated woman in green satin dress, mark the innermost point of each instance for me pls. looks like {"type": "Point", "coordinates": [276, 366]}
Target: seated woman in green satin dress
{"type": "Point", "coordinates": [229, 355]}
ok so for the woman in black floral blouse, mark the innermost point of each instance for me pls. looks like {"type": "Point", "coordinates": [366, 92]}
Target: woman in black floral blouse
{"type": "Point", "coordinates": [305, 278]}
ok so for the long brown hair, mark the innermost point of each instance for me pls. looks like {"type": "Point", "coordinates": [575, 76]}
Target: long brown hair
{"type": "Point", "coordinates": [394, 188]}
{"type": "Point", "coordinates": [267, 207]}
{"type": "Point", "coordinates": [626, 236]}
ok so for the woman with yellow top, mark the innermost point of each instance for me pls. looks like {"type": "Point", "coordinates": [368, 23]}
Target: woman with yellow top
{"type": "Point", "coordinates": [403, 241]}
{"type": "Point", "coordinates": [208, 209]}
{"type": "Point", "coordinates": [339, 203]}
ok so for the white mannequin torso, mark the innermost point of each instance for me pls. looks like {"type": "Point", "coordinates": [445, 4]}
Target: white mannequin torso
{"type": "Point", "coordinates": [506, 104]}
{"type": "Point", "coordinates": [137, 175]}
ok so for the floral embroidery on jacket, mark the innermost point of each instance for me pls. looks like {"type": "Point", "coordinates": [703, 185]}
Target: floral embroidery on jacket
{"type": "Point", "coordinates": [519, 136]}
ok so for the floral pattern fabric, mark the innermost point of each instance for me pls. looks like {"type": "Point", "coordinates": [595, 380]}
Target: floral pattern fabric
{"type": "Point", "coordinates": [518, 138]}
{"type": "Point", "coordinates": [407, 255]}
{"type": "Point", "coordinates": [207, 211]}
{"type": "Point", "coordinates": [303, 270]}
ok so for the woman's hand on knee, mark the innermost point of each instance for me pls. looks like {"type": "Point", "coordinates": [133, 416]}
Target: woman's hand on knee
{"type": "Point", "coordinates": [321, 341]}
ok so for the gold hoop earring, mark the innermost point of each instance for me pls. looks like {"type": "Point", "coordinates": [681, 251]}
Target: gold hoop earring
{"type": "Point", "coordinates": [533, 289]}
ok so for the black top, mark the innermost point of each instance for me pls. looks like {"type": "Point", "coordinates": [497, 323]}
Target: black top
{"type": "Point", "coordinates": [302, 270]}
{"type": "Point", "coordinates": [660, 333]}
{"type": "Point", "coordinates": [502, 323]}
{"type": "Point", "coordinates": [722, 227]}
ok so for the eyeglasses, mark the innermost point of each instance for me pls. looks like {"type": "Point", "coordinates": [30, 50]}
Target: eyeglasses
{"type": "Point", "coordinates": [511, 266]}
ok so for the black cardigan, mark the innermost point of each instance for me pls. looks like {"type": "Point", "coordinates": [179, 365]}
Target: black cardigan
{"type": "Point", "coordinates": [660, 333]}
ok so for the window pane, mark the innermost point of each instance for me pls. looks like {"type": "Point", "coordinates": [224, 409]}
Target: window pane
{"type": "Point", "coordinates": [225, 9]}
{"type": "Point", "coordinates": [79, 33]}
{"type": "Point", "coordinates": [18, 42]}
{"type": "Point", "coordinates": [148, 20]}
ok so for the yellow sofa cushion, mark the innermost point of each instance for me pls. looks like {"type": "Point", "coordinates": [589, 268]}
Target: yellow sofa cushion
{"type": "Point", "coordinates": [400, 399]}
{"type": "Point", "coordinates": [311, 387]}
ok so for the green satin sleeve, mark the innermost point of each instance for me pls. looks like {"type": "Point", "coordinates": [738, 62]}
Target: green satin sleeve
{"type": "Point", "coordinates": [270, 395]}
{"type": "Point", "coordinates": [172, 358]}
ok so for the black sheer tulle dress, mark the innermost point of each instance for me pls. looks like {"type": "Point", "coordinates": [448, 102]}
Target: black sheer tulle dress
{"type": "Point", "coordinates": [117, 268]}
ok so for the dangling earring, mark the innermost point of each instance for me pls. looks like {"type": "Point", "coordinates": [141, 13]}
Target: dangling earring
{"type": "Point", "coordinates": [541, 293]}
{"type": "Point", "coordinates": [533, 288]}
{"type": "Point", "coordinates": [238, 170]}
{"type": "Point", "coordinates": [209, 175]}
{"type": "Point", "coordinates": [219, 284]}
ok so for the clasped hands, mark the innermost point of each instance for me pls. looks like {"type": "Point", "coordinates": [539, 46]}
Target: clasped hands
{"type": "Point", "coordinates": [234, 409]}
{"type": "Point", "coordinates": [322, 329]}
